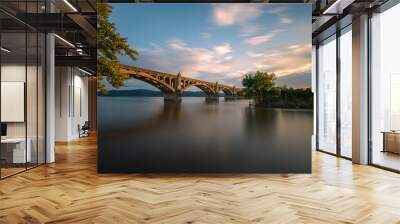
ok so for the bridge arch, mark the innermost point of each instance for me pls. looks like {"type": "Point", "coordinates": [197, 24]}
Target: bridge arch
{"type": "Point", "coordinates": [173, 85]}
{"type": "Point", "coordinates": [227, 91]}
{"type": "Point", "coordinates": [208, 90]}
{"type": "Point", "coordinates": [162, 84]}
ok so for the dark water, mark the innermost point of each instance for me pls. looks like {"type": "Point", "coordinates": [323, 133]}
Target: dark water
{"type": "Point", "coordinates": [144, 134]}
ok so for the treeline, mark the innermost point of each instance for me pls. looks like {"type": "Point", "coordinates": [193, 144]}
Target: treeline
{"type": "Point", "coordinates": [260, 87]}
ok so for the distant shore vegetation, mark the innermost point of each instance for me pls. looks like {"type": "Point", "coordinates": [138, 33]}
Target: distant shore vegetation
{"type": "Point", "coordinates": [261, 87]}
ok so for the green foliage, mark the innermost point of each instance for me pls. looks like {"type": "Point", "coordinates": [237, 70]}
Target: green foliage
{"type": "Point", "coordinates": [261, 87]}
{"type": "Point", "coordinates": [110, 45]}
{"type": "Point", "coordinates": [258, 84]}
{"type": "Point", "coordinates": [289, 98]}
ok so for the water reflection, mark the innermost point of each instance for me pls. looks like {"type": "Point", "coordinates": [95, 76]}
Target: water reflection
{"type": "Point", "coordinates": [171, 111]}
{"type": "Point", "coordinates": [259, 119]}
{"type": "Point", "coordinates": [149, 135]}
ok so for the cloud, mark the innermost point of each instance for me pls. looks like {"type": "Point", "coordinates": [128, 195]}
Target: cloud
{"type": "Point", "coordinates": [223, 49]}
{"type": "Point", "coordinates": [256, 40]}
{"type": "Point", "coordinates": [176, 44]}
{"type": "Point", "coordinates": [286, 20]}
{"type": "Point", "coordinates": [292, 59]}
{"type": "Point", "coordinates": [218, 64]}
{"type": "Point", "coordinates": [231, 14]}
{"type": "Point", "coordinates": [228, 58]}
{"type": "Point", "coordinates": [248, 46]}
{"type": "Point", "coordinates": [195, 62]}
{"type": "Point", "coordinates": [254, 55]}
{"type": "Point", "coordinates": [242, 15]}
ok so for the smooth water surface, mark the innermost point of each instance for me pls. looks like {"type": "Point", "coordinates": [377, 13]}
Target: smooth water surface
{"type": "Point", "coordinates": [146, 134]}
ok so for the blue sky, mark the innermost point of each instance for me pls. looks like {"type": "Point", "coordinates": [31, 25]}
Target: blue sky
{"type": "Point", "coordinates": [217, 42]}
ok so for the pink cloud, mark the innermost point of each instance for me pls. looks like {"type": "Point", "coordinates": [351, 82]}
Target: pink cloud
{"type": "Point", "coordinates": [256, 40]}
{"type": "Point", "coordinates": [289, 60]}
{"type": "Point", "coordinates": [230, 14]}
{"type": "Point", "coordinates": [218, 63]}
{"type": "Point", "coordinates": [191, 61]}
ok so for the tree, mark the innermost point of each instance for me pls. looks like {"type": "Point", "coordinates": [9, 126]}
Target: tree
{"type": "Point", "coordinates": [110, 45]}
{"type": "Point", "coordinates": [258, 85]}
{"type": "Point", "coordinates": [261, 87]}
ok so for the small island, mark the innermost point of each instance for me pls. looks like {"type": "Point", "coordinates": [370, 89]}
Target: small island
{"type": "Point", "coordinates": [261, 87]}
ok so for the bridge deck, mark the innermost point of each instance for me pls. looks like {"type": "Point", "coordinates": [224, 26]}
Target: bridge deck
{"type": "Point", "coordinates": [129, 68]}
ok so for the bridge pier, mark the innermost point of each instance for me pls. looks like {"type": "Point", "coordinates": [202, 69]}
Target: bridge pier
{"type": "Point", "coordinates": [174, 97]}
{"type": "Point", "coordinates": [212, 98]}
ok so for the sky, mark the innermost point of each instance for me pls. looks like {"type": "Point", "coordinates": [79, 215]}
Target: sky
{"type": "Point", "coordinates": [218, 42]}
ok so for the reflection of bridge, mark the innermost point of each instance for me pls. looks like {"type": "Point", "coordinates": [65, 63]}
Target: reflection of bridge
{"type": "Point", "coordinates": [173, 85]}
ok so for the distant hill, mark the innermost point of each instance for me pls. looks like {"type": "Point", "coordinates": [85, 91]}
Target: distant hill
{"type": "Point", "coordinates": [133, 92]}
{"type": "Point", "coordinates": [150, 93]}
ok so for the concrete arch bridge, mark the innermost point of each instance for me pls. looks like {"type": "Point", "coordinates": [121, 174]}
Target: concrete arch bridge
{"type": "Point", "coordinates": [174, 85]}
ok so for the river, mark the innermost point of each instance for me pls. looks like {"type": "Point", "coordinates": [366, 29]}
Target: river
{"type": "Point", "coordinates": [146, 134]}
